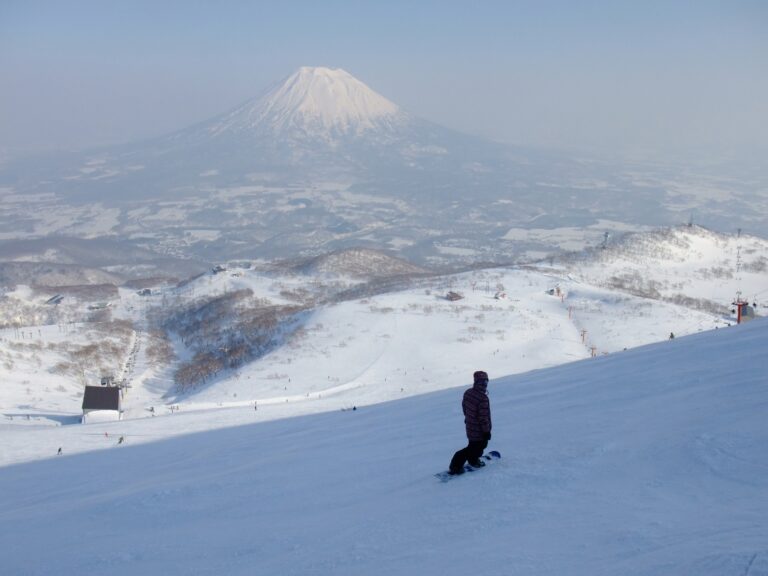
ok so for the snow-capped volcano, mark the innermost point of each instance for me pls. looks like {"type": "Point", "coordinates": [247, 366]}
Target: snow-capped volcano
{"type": "Point", "coordinates": [314, 100]}
{"type": "Point", "coordinates": [320, 162]}
{"type": "Point", "coordinates": [317, 125]}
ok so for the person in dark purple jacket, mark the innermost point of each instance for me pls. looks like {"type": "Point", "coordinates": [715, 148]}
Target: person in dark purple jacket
{"type": "Point", "coordinates": [477, 418]}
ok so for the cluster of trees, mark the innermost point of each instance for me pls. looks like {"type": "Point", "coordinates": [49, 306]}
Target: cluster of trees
{"type": "Point", "coordinates": [227, 331]}
{"type": "Point", "coordinates": [758, 265]}
{"type": "Point", "coordinates": [634, 283]}
{"type": "Point", "coordinates": [102, 353]}
{"type": "Point", "coordinates": [15, 312]}
{"type": "Point", "coordinates": [698, 304]}
{"type": "Point", "coordinates": [159, 348]}
{"type": "Point", "coordinates": [33, 308]}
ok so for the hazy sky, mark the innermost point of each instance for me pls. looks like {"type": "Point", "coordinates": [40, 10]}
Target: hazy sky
{"type": "Point", "coordinates": [628, 75]}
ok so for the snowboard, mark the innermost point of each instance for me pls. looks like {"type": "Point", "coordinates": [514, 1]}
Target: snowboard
{"type": "Point", "coordinates": [488, 457]}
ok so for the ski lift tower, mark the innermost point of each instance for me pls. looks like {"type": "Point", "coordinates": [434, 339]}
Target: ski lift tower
{"type": "Point", "coordinates": [744, 311]}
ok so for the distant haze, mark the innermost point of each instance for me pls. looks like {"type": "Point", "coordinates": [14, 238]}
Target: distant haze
{"type": "Point", "coordinates": [686, 78]}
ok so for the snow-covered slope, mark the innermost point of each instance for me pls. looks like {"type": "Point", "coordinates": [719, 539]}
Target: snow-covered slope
{"type": "Point", "coordinates": [684, 264]}
{"type": "Point", "coordinates": [351, 328]}
{"type": "Point", "coordinates": [328, 342]}
{"type": "Point", "coordinates": [316, 120]}
{"type": "Point", "coordinates": [314, 101]}
{"type": "Point", "coordinates": [647, 462]}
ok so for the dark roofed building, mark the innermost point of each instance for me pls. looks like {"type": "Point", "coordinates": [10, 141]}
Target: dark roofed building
{"type": "Point", "coordinates": [102, 398]}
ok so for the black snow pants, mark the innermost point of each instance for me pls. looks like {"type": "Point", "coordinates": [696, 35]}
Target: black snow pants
{"type": "Point", "coordinates": [471, 453]}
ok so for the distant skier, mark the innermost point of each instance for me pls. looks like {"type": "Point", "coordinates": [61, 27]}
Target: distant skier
{"type": "Point", "coordinates": [477, 419]}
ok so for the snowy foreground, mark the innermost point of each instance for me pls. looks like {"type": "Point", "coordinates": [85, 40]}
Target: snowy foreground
{"type": "Point", "coordinates": [650, 461]}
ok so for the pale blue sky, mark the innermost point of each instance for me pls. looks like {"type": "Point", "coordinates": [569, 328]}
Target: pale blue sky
{"type": "Point", "coordinates": [683, 76]}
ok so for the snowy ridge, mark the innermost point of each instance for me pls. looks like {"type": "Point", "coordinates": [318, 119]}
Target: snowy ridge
{"type": "Point", "coordinates": [314, 101]}
{"type": "Point", "coordinates": [360, 263]}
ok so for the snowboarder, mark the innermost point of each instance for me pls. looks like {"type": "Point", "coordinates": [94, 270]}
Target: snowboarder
{"type": "Point", "coordinates": [477, 418]}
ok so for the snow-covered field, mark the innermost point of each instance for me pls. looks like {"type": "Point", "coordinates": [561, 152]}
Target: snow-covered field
{"type": "Point", "coordinates": [625, 452]}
